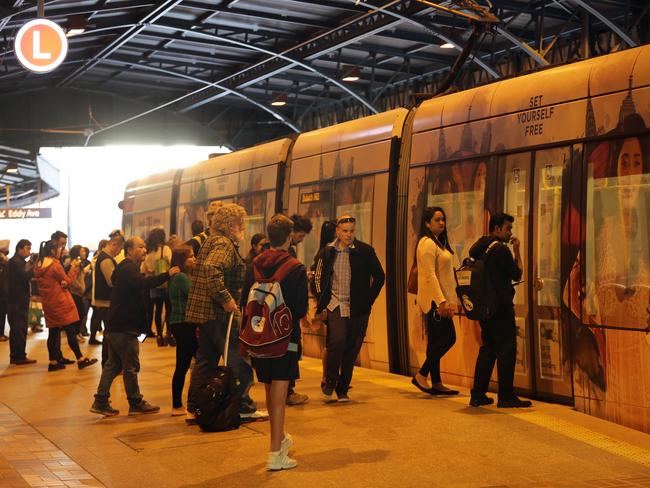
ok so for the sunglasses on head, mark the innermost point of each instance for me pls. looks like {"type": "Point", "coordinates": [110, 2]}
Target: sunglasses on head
{"type": "Point", "coordinates": [346, 220]}
{"type": "Point", "coordinates": [115, 233]}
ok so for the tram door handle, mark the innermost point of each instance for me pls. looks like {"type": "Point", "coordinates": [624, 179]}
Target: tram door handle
{"type": "Point", "coordinates": [538, 284]}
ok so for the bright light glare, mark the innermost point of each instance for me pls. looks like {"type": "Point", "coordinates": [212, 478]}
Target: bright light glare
{"type": "Point", "coordinates": [92, 181]}
{"type": "Point", "coordinates": [447, 45]}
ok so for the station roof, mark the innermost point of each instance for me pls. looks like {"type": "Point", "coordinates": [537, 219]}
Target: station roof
{"type": "Point", "coordinates": [223, 62]}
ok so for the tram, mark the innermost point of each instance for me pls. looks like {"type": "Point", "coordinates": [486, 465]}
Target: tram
{"type": "Point", "coordinates": [566, 151]}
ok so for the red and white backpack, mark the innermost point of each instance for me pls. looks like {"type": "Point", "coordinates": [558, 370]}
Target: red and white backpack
{"type": "Point", "coordinates": [268, 323]}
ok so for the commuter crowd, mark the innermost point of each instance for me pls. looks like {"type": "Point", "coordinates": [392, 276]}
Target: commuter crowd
{"type": "Point", "coordinates": [210, 303]}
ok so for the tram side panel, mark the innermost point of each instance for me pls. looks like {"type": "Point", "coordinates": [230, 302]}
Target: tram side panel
{"type": "Point", "coordinates": [347, 173]}
{"type": "Point", "coordinates": [612, 351]}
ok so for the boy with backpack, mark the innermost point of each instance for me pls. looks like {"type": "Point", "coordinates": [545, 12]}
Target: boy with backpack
{"type": "Point", "coordinates": [270, 334]}
{"type": "Point", "coordinates": [499, 329]}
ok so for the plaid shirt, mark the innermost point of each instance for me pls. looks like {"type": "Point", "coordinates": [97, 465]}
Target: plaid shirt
{"type": "Point", "coordinates": [218, 277]}
{"type": "Point", "coordinates": [341, 277]}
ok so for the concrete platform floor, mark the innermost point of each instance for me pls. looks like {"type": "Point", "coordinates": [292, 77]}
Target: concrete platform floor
{"type": "Point", "coordinates": [389, 435]}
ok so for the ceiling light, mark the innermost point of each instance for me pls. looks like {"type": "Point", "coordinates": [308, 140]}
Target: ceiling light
{"type": "Point", "coordinates": [11, 168]}
{"type": "Point", "coordinates": [447, 45]}
{"type": "Point", "coordinates": [280, 100]}
{"type": "Point", "coordinates": [351, 74]}
{"type": "Point", "coordinates": [76, 25]}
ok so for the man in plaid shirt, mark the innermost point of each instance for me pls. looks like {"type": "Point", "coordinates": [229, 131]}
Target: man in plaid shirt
{"type": "Point", "coordinates": [215, 291]}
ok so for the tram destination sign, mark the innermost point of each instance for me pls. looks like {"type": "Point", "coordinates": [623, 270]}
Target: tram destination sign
{"type": "Point", "coordinates": [25, 213]}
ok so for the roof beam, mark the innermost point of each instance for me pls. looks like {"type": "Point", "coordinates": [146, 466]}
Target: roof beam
{"type": "Point", "coordinates": [150, 18]}
{"type": "Point", "coordinates": [277, 115]}
{"type": "Point", "coordinates": [293, 62]}
{"type": "Point", "coordinates": [609, 23]}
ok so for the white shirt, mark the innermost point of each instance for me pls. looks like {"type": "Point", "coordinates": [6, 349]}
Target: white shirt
{"type": "Point", "coordinates": [436, 280]}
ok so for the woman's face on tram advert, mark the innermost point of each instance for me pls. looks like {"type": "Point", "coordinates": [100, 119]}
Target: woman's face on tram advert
{"type": "Point", "coordinates": [437, 223]}
{"type": "Point", "coordinates": [629, 168]}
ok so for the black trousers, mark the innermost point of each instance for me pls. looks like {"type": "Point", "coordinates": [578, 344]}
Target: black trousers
{"type": "Point", "coordinates": [54, 341]}
{"type": "Point", "coordinates": [186, 346]}
{"type": "Point", "coordinates": [3, 314]}
{"type": "Point", "coordinates": [155, 310]}
{"type": "Point", "coordinates": [81, 310]}
{"type": "Point", "coordinates": [499, 337]}
{"type": "Point", "coordinates": [17, 313]}
{"type": "Point", "coordinates": [441, 335]}
{"type": "Point", "coordinates": [99, 315]}
{"type": "Point", "coordinates": [344, 340]}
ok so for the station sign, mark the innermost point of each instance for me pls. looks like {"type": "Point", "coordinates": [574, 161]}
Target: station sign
{"type": "Point", "coordinates": [41, 45]}
{"type": "Point", "coordinates": [25, 213]}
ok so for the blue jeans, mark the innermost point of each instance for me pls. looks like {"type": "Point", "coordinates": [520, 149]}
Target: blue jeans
{"type": "Point", "coordinates": [212, 339]}
{"type": "Point", "coordinates": [123, 355]}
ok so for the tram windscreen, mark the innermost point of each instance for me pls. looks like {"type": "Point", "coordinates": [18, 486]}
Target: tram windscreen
{"type": "Point", "coordinates": [315, 202]}
{"type": "Point", "coordinates": [617, 291]}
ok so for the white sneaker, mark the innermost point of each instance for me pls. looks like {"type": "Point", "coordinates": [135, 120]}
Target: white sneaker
{"type": "Point", "coordinates": [256, 415]}
{"type": "Point", "coordinates": [177, 412]}
{"type": "Point", "coordinates": [286, 444]}
{"type": "Point", "coordinates": [279, 460]}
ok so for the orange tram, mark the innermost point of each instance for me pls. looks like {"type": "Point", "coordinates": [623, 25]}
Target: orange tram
{"type": "Point", "coordinates": [566, 151]}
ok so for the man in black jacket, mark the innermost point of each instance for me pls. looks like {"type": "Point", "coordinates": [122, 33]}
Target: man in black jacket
{"type": "Point", "coordinates": [19, 276]}
{"type": "Point", "coordinates": [348, 279]}
{"type": "Point", "coordinates": [127, 319]}
{"type": "Point", "coordinates": [499, 333]}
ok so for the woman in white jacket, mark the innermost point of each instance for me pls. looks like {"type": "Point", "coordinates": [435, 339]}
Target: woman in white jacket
{"type": "Point", "coordinates": [436, 297]}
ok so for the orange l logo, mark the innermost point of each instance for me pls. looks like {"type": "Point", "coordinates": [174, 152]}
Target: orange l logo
{"type": "Point", "coordinates": [41, 45]}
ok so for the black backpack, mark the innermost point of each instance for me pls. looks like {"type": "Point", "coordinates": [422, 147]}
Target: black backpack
{"type": "Point", "coordinates": [475, 289]}
{"type": "Point", "coordinates": [218, 400]}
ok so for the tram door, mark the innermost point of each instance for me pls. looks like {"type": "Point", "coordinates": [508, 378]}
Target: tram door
{"type": "Point", "coordinates": [533, 195]}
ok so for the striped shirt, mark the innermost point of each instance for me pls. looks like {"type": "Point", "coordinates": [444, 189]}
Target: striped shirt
{"type": "Point", "coordinates": [341, 277]}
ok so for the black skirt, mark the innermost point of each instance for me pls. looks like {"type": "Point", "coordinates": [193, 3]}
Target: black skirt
{"type": "Point", "coordinates": [284, 368]}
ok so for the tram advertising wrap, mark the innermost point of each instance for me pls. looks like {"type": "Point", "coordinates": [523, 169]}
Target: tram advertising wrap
{"type": "Point", "coordinates": [566, 151]}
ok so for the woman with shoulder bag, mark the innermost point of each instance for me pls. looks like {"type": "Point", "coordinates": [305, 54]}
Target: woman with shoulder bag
{"type": "Point", "coordinates": [158, 261]}
{"type": "Point", "coordinates": [436, 297]}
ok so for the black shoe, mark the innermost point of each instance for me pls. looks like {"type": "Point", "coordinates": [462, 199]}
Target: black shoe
{"type": "Point", "coordinates": [480, 401]}
{"type": "Point", "coordinates": [55, 367]}
{"type": "Point", "coordinates": [85, 362]}
{"type": "Point", "coordinates": [37, 328]}
{"type": "Point", "coordinates": [104, 409]}
{"type": "Point", "coordinates": [161, 341]}
{"type": "Point", "coordinates": [514, 402]}
{"type": "Point", "coordinates": [94, 342]}
{"type": "Point", "coordinates": [20, 362]}
{"type": "Point", "coordinates": [65, 361]}
{"type": "Point", "coordinates": [171, 342]}
{"type": "Point", "coordinates": [143, 407]}
{"type": "Point", "coordinates": [420, 387]}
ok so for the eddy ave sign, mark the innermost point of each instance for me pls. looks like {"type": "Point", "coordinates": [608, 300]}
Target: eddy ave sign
{"type": "Point", "coordinates": [41, 45]}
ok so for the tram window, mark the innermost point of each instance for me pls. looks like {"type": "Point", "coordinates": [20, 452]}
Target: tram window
{"type": "Point", "coordinates": [618, 233]}
{"type": "Point", "coordinates": [353, 197]}
{"type": "Point", "coordinates": [255, 206]}
{"type": "Point", "coordinates": [315, 201]}
{"type": "Point", "coordinates": [459, 189]}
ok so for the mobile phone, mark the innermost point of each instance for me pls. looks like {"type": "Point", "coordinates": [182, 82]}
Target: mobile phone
{"type": "Point", "coordinates": [142, 337]}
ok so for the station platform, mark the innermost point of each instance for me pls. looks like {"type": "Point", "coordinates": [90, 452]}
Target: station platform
{"type": "Point", "coordinates": [389, 435]}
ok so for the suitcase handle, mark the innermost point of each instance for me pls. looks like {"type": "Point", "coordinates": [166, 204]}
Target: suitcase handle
{"type": "Point", "coordinates": [225, 348]}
